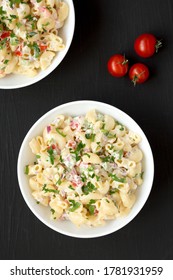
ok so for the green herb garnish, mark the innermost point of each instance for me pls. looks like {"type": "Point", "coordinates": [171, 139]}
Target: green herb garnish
{"type": "Point", "coordinates": [51, 155]}
{"type": "Point", "coordinates": [77, 152]}
{"type": "Point", "coordinates": [13, 16]}
{"type": "Point", "coordinates": [115, 178]}
{"type": "Point", "coordinates": [29, 18]}
{"type": "Point", "coordinates": [46, 190]}
{"type": "Point", "coordinates": [83, 177]}
{"type": "Point", "coordinates": [30, 34]}
{"type": "Point", "coordinates": [26, 169]}
{"type": "Point", "coordinates": [73, 205]}
{"type": "Point", "coordinates": [6, 61]}
{"type": "Point", "coordinates": [142, 174]}
{"type": "Point", "coordinates": [112, 191]}
{"type": "Point", "coordinates": [52, 211]}
{"type": "Point", "coordinates": [90, 207]}
{"type": "Point", "coordinates": [122, 128]}
{"type": "Point", "coordinates": [18, 24]}
{"type": "Point", "coordinates": [13, 39]}
{"type": "Point", "coordinates": [108, 159]}
{"type": "Point", "coordinates": [60, 133]}
{"type": "Point", "coordinates": [36, 49]}
{"type": "Point", "coordinates": [87, 155]}
{"type": "Point", "coordinates": [110, 135]}
{"type": "Point", "coordinates": [90, 136]}
{"type": "Point", "coordinates": [89, 187]}
{"type": "Point", "coordinates": [71, 188]}
{"type": "Point", "coordinates": [61, 159]}
{"type": "Point", "coordinates": [97, 178]}
{"type": "Point", "coordinates": [3, 44]}
{"type": "Point", "coordinates": [121, 152]}
{"type": "Point", "coordinates": [2, 12]}
{"type": "Point", "coordinates": [12, 2]}
{"type": "Point", "coordinates": [58, 182]}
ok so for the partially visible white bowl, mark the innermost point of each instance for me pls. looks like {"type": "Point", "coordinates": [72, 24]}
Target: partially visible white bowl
{"type": "Point", "coordinates": [26, 157]}
{"type": "Point", "coordinates": [13, 81]}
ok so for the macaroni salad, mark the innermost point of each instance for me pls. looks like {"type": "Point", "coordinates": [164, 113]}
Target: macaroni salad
{"type": "Point", "coordinates": [29, 36]}
{"type": "Point", "coordinates": [87, 168]}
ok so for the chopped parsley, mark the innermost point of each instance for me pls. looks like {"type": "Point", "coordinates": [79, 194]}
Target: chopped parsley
{"type": "Point", "coordinates": [60, 133]}
{"type": "Point", "coordinates": [61, 159]}
{"type": "Point", "coordinates": [142, 175]}
{"type": "Point", "coordinates": [52, 211]}
{"type": "Point", "coordinates": [90, 168]}
{"type": "Point", "coordinates": [51, 155]}
{"type": "Point", "coordinates": [92, 175]}
{"type": "Point", "coordinates": [6, 61]}
{"type": "Point", "coordinates": [97, 178]}
{"type": "Point", "coordinates": [46, 190]}
{"type": "Point", "coordinates": [122, 127]}
{"type": "Point", "coordinates": [30, 34]}
{"type": "Point", "coordinates": [46, 24]}
{"type": "Point", "coordinates": [71, 188]}
{"type": "Point", "coordinates": [33, 25]}
{"type": "Point", "coordinates": [2, 12]}
{"type": "Point", "coordinates": [13, 39]}
{"type": "Point", "coordinates": [121, 152]}
{"type": "Point", "coordinates": [29, 18]}
{"type": "Point", "coordinates": [108, 159]}
{"type": "Point", "coordinates": [80, 146]}
{"type": "Point", "coordinates": [112, 191]}
{"type": "Point", "coordinates": [73, 205]}
{"type": "Point", "coordinates": [90, 136]}
{"type": "Point", "coordinates": [36, 50]}
{"type": "Point", "coordinates": [89, 187]}
{"type": "Point", "coordinates": [83, 177]}
{"type": "Point", "coordinates": [13, 16]}
{"type": "Point", "coordinates": [110, 135]}
{"type": "Point", "coordinates": [90, 207]}
{"type": "Point", "coordinates": [26, 169]}
{"type": "Point", "coordinates": [58, 182]}
{"type": "Point", "coordinates": [115, 178]}
{"type": "Point", "coordinates": [38, 156]}
{"type": "Point", "coordinates": [18, 24]}
{"type": "Point", "coordinates": [87, 155]}
{"type": "Point", "coordinates": [14, 2]}
{"type": "Point", "coordinates": [78, 150]}
{"type": "Point", "coordinates": [3, 43]}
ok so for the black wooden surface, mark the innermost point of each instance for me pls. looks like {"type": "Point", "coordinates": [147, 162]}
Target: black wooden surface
{"type": "Point", "coordinates": [102, 29]}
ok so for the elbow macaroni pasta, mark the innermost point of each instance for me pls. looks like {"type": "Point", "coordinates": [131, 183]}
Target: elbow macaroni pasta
{"type": "Point", "coordinates": [29, 36]}
{"type": "Point", "coordinates": [87, 168]}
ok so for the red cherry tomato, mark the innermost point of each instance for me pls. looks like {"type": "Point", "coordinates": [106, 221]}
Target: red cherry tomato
{"type": "Point", "coordinates": [5, 34]}
{"type": "Point", "coordinates": [146, 45]}
{"type": "Point", "coordinates": [118, 65]}
{"type": "Point", "coordinates": [42, 47]}
{"type": "Point", "coordinates": [18, 51]}
{"type": "Point", "coordinates": [139, 73]}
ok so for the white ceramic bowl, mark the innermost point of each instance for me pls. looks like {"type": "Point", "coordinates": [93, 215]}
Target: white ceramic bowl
{"type": "Point", "coordinates": [13, 81]}
{"type": "Point", "coordinates": [26, 157]}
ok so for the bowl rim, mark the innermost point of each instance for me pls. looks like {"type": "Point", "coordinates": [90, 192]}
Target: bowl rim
{"type": "Point", "coordinates": [105, 232]}
{"type": "Point", "coordinates": [43, 74]}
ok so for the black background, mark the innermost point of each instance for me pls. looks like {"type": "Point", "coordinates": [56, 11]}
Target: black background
{"type": "Point", "coordinates": [102, 29]}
